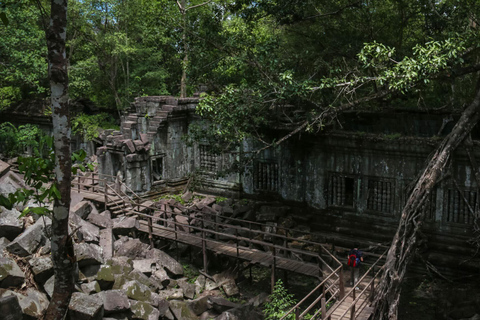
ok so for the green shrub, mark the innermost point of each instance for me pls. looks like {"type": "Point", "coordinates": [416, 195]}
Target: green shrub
{"type": "Point", "coordinates": [280, 302]}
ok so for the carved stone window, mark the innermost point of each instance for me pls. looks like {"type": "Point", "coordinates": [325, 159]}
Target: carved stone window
{"type": "Point", "coordinates": [380, 195]}
{"type": "Point", "coordinates": [455, 208]}
{"type": "Point", "coordinates": [265, 176]}
{"type": "Point", "coordinates": [208, 160]}
{"type": "Point", "coordinates": [341, 190]}
{"type": "Point", "coordinates": [157, 168]}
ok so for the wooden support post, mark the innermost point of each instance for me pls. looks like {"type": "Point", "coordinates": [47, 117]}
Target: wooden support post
{"type": "Point", "coordinates": [372, 286]}
{"type": "Point", "coordinates": [105, 193]}
{"type": "Point", "coordinates": [352, 310]}
{"type": "Point", "coordinates": [352, 274]}
{"type": "Point", "coordinates": [320, 272]}
{"type": "Point", "coordinates": [341, 284]}
{"type": "Point", "coordinates": [236, 242]}
{"type": "Point", "coordinates": [323, 302]}
{"type": "Point", "coordinates": [150, 231]}
{"type": "Point", "coordinates": [204, 249]}
{"type": "Point", "coordinates": [285, 276]}
{"type": "Point", "coordinates": [297, 313]}
{"type": "Point", "coordinates": [273, 269]}
{"type": "Point", "coordinates": [324, 307]}
{"type": "Point", "coordinates": [176, 236]}
{"type": "Point", "coordinates": [93, 182]}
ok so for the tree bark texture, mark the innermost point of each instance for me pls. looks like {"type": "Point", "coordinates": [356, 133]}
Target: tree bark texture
{"type": "Point", "coordinates": [62, 246]}
{"type": "Point", "coordinates": [404, 243]}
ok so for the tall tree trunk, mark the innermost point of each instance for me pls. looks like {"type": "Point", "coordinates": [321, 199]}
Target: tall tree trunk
{"type": "Point", "coordinates": [183, 81]}
{"type": "Point", "coordinates": [62, 247]}
{"type": "Point", "coordinates": [404, 242]}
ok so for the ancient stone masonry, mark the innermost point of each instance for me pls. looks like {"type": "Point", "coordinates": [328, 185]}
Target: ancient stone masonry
{"type": "Point", "coordinates": [356, 178]}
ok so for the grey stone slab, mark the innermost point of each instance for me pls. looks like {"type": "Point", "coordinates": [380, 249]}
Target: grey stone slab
{"type": "Point", "coordinates": [200, 305]}
{"type": "Point", "coordinates": [10, 273]}
{"type": "Point", "coordinates": [99, 220]}
{"type": "Point", "coordinates": [88, 253]}
{"type": "Point", "coordinates": [32, 302]}
{"type": "Point", "coordinates": [181, 310]}
{"type": "Point", "coordinates": [106, 243]}
{"type": "Point", "coordinates": [90, 287]}
{"type": "Point", "coordinates": [144, 311]}
{"type": "Point", "coordinates": [82, 209]}
{"type": "Point", "coordinates": [188, 288]}
{"type": "Point", "coordinates": [42, 268]}
{"type": "Point", "coordinates": [131, 248]}
{"type": "Point", "coordinates": [137, 291]}
{"type": "Point", "coordinates": [86, 231]}
{"type": "Point", "coordinates": [28, 242]}
{"type": "Point", "coordinates": [146, 266]}
{"type": "Point", "coordinates": [3, 244]}
{"type": "Point", "coordinates": [125, 225]}
{"type": "Point", "coordinates": [10, 308]}
{"type": "Point", "coordinates": [48, 286]}
{"type": "Point", "coordinates": [114, 301]}
{"type": "Point", "coordinates": [10, 224]}
{"type": "Point", "coordinates": [166, 261]}
{"type": "Point", "coordinates": [85, 307]}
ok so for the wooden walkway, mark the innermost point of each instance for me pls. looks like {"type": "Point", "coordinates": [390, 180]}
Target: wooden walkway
{"type": "Point", "coordinates": [203, 230]}
{"type": "Point", "coordinates": [251, 255]}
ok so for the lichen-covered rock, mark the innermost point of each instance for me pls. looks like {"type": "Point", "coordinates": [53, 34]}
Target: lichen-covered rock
{"type": "Point", "coordinates": [137, 291]}
{"type": "Point", "coordinates": [200, 284]}
{"type": "Point", "coordinates": [82, 209]}
{"type": "Point", "coordinates": [188, 288]}
{"type": "Point", "coordinates": [42, 268]}
{"type": "Point", "coordinates": [123, 226]}
{"type": "Point", "coordinates": [200, 305]}
{"type": "Point", "coordinates": [181, 310]}
{"type": "Point", "coordinates": [166, 261]}
{"type": "Point", "coordinates": [146, 266]}
{"type": "Point", "coordinates": [87, 254]}
{"type": "Point", "coordinates": [10, 225]}
{"type": "Point", "coordinates": [10, 274]}
{"type": "Point", "coordinates": [143, 310]}
{"type": "Point", "coordinates": [28, 242]}
{"type": "Point", "coordinates": [110, 272]}
{"type": "Point", "coordinates": [131, 248]}
{"type": "Point", "coordinates": [160, 275]}
{"type": "Point", "coordinates": [100, 220]}
{"type": "Point", "coordinates": [10, 308]}
{"type": "Point", "coordinates": [90, 287]}
{"type": "Point", "coordinates": [3, 244]}
{"type": "Point", "coordinates": [171, 294]}
{"type": "Point", "coordinates": [48, 286]}
{"type": "Point", "coordinates": [114, 301]}
{"type": "Point", "coordinates": [106, 242]}
{"type": "Point", "coordinates": [33, 303]}
{"type": "Point", "coordinates": [143, 279]}
{"type": "Point", "coordinates": [86, 231]}
{"type": "Point", "coordinates": [85, 307]}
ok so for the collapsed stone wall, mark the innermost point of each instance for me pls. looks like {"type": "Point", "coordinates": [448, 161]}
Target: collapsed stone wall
{"type": "Point", "coordinates": [355, 182]}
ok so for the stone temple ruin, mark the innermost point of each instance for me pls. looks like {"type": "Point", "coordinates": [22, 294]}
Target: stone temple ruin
{"type": "Point", "coordinates": [351, 182]}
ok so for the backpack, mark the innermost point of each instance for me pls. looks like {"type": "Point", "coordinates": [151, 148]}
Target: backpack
{"type": "Point", "coordinates": [353, 260]}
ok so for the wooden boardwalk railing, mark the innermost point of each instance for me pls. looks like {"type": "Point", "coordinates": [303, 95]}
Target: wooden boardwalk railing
{"type": "Point", "coordinates": [245, 241]}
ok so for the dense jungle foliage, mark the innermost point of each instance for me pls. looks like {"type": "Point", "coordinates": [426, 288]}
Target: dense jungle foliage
{"type": "Point", "coordinates": [252, 56]}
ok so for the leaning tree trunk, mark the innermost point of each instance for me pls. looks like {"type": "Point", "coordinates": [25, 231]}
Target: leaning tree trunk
{"type": "Point", "coordinates": [62, 247]}
{"type": "Point", "coordinates": [404, 242]}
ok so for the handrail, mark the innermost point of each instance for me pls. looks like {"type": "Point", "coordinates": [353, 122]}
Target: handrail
{"type": "Point", "coordinates": [331, 310]}
{"type": "Point", "coordinates": [240, 238]}
{"type": "Point", "coordinates": [311, 293]}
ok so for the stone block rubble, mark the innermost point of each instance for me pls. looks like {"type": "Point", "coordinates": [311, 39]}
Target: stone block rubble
{"type": "Point", "coordinates": [119, 277]}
